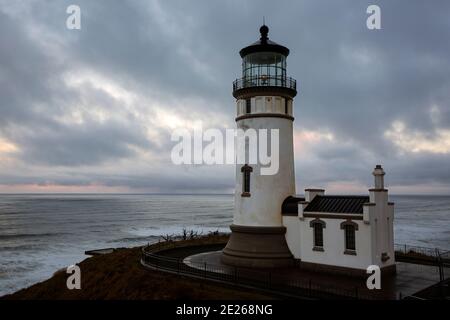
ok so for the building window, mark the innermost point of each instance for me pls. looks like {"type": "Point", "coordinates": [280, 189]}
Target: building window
{"type": "Point", "coordinates": [246, 170]}
{"type": "Point", "coordinates": [349, 228]}
{"type": "Point", "coordinates": [248, 106]}
{"type": "Point", "coordinates": [349, 237]}
{"type": "Point", "coordinates": [318, 226]}
{"type": "Point", "coordinates": [286, 106]}
{"type": "Point", "coordinates": [318, 235]}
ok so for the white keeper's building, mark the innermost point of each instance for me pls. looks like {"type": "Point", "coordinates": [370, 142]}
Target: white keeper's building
{"type": "Point", "coordinates": [342, 233]}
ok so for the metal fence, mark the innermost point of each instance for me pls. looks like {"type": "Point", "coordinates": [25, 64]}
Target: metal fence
{"type": "Point", "coordinates": [263, 279]}
{"type": "Point", "coordinates": [421, 251]}
{"type": "Point", "coordinates": [428, 256]}
{"type": "Point", "coordinates": [276, 281]}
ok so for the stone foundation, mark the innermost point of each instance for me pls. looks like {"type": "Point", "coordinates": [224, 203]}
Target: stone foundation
{"type": "Point", "coordinates": [257, 247]}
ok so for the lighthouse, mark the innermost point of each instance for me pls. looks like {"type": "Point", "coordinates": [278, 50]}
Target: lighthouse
{"type": "Point", "coordinates": [264, 100]}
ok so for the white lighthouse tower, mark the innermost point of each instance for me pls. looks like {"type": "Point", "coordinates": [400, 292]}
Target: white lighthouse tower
{"type": "Point", "coordinates": [264, 97]}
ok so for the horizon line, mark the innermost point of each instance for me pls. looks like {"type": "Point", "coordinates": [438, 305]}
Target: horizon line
{"type": "Point", "coordinates": [190, 194]}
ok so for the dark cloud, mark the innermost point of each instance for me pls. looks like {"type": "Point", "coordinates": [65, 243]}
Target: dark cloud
{"type": "Point", "coordinates": [87, 144]}
{"type": "Point", "coordinates": [180, 58]}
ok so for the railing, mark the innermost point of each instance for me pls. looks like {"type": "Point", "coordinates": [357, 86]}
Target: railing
{"type": "Point", "coordinates": [425, 256]}
{"type": "Point", "coordinates": [416, 250]}
{"type": "Point", "coordinates": [265, 81]}
{"type": "Point", "coordinates": [424, 253]}
{"type": "Point", "coordinates": [264, 279]}
{"type": "Point", "coordinates": [276, 282]}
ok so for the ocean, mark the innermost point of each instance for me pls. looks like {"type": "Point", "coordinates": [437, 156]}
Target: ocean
{"type": "Point", "coordinates": [42, 233]}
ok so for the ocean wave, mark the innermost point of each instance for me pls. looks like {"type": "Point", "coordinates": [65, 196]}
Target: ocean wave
{"type": "Point", "coordinates": [14, 268]}
{"type": "Point", "coordinates": [135, 239]}
{"type": "Point", "coordinates": [29, 235]}
{"type": "Point", "coordinates": [22, 247]}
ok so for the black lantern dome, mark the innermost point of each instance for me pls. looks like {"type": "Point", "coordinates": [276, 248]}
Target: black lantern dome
{"type": "Point", "coordinates": [264, 45]}
{"type": "Point", "coordinates": [264, 69]}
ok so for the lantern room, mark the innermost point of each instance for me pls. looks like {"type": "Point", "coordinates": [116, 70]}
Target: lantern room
{"type": "Point", "coordinates": [264, 65]}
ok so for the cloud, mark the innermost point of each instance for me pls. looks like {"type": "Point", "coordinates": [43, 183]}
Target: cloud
{"type": "Point", "coordinates": [418, 142]}
{"type": "Point", "coordinates": [96, 107]}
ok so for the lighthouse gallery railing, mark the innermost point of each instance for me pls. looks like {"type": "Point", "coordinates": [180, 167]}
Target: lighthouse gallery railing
{"type": "Point", "coordinates": [265, 81]}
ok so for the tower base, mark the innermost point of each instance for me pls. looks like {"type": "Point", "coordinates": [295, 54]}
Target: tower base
{"type": "Point", "coordinates": [257, 247]}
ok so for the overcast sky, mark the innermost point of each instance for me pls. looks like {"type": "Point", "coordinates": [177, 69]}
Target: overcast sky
{"type": "Point", "coordinates": [93, 110]}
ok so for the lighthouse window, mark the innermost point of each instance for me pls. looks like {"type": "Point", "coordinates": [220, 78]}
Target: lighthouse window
{"type": "Point", "coordinates": [246, 170]}
{"type": "Point", "coordinates": [286, 106]}
{"type": "Point", "coordinates": [264, 68]}
{"type": "Point", "coordinates": [246, 181]}
{"type": "Point", "coordinates": [248, 106]}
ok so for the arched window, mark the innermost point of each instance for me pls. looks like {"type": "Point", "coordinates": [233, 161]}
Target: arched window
{"type": "Point", "coordinates": [318, 226]}
{"type": "Point", "coordinates": [349, 228]}
{"type": "Point", "coordinates": [318, 235]}
{"type": "Point", "coordinates": [246, 170]}
{"type": "Point", "coordinates": [349, 237]}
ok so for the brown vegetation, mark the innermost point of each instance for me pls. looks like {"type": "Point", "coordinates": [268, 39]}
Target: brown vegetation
{"type": "Point", "coordinates": [119, 275]}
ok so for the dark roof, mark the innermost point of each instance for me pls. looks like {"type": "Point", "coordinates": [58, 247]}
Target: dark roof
{"type": "Point", "coordinates": [290, 205]}
{"type": "Point", "coordinates": [337, 204]}
{"type": "Point", "coordinates": [264, 45]}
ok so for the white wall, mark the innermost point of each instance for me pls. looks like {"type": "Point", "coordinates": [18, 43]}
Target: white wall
{"type": "Point", "coordinates": [381, 217]}
{"type": "Point", "coordinates": [334, 244]}
{"type": "Point", "coordinates": [263, 207]}
{"type": "Point", "coordinates": [375, 235]}
{"type": "Point", "coordinates": [292, 224]}
{"type": "Point", "coordinates": [264, 104]}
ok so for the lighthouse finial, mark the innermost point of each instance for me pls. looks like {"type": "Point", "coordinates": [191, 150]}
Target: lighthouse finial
{"type": "Point", "coordinates": [264, 30]}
